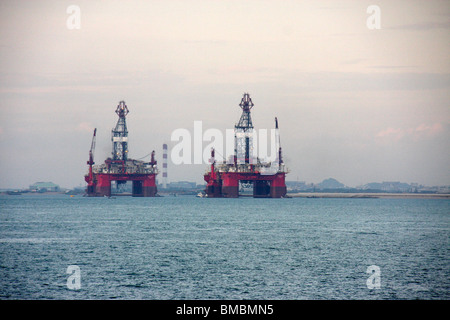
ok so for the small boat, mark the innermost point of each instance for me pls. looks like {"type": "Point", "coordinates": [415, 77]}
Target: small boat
{"type": "Point", "coordinates": [201, 195]}
{"type": "Point", "coordinates": [14, 193]}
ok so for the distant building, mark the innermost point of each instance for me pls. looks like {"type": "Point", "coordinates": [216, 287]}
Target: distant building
{"type": "Point", "coordinates": [390, 186]}
{"type": "Point", "coordinates": [182, 185]}
{"type": "Point", "coordinates": [44, 187]}
{"type": "Point", "coordinates": [297, 185]}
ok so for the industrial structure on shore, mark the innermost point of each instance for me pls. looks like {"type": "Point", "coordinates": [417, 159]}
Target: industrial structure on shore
{"type": "Point", "coordinates": [120, 168]}
{"type": "Point", "coordinates": [267, 178]}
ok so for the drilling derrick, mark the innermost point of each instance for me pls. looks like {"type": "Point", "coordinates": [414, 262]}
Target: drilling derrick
{"type": "Point", "coordinates": [120, 168]}
{"type": "Point", "coordinates": [243, 133]}
{"type": "Point", "coordinates": [119, 135]}
{"type": "Point", "coordinates": [267, 178]}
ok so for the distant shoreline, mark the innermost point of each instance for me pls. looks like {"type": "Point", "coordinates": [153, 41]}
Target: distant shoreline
{"type": "Point", "coordinates": [371, 195]}
{"type": "Point", "coordinates": [341, 195]}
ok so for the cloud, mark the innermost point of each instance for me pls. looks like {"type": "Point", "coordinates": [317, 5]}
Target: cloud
{"type": "Point", "coordinates": [421, 131]}
{"type": "Point", "coordinates": [391, 133]}
{"type": "Point", "coordinates": [427, 130]}
{"type": "Point", "coordinates": [393, 67]}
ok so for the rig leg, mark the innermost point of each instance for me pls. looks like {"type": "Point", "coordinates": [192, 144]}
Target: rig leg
{"type": "Point", "coordinates": [278, 187]}
{"type": "Point", "coordinates": [90, 190]}
{"type": "Point", "coordinates": [137, 188]}
{"type": "Point", "coordinates": [149, 188]}
{"type": "Point", "coordinates": [214, 191]}
{"type": "Point", "coordinates": [103, 186]}
{"type": "Point", "coordinates": [261, 189]}
{"type": "Point", "coordinates": [230, 186]}
{"type": "Point", "coordinates": [230, 191]}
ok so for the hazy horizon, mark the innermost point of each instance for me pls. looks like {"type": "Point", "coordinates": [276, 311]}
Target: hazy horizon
{"type": "Point", "coordinates": [354, 104]}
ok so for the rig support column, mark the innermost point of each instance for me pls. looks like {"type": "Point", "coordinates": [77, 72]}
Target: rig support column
{"type": "Point", "coordinates": [278, 186]}
{"type": "Point", "coordinates": [230, 185]}
{"type": "Point", "coordinates": [149, 186]}
{"type": "Point", "coordinates": [214, 189]}
{"type": "Point", "coordinates": [103, 187]}
{"type": "Point", "coordinates": [213, 182]}
{"type": "Point", "coordinates": [137, 188]}
{"type": "Point", "coordinates": [261, 189]}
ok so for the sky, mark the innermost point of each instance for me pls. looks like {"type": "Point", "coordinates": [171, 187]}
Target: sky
{"type": "Point", "coordinates": [354, 103]}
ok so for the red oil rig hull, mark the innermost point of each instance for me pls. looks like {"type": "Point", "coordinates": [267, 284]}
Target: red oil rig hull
{"type": "Point", "coordinates": [143, 184]}
{"type": "Point", "coordinates": [226, 184]}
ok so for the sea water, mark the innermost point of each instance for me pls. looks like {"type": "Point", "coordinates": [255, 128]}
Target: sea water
{"type": "Point", "coordinates": [198, 248]}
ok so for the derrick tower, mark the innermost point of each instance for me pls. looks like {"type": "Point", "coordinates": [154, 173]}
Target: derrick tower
{"type": "Point", "coordinates": [243, 133]}
{"type": "Point", "coordinates": [119, 135]}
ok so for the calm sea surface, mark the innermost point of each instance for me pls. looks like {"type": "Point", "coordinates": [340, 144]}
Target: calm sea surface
{"type": "Point", "coordinates": [193, 248]}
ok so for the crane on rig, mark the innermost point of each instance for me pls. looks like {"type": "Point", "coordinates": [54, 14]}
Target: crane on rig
{"type": "Point", "coordinates": [90, 162]}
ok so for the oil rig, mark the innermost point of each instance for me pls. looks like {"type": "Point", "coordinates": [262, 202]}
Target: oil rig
{"type": "Point", "coordinates": [267, 178]}
{"type": "Point", "coordinates": [119, 167]}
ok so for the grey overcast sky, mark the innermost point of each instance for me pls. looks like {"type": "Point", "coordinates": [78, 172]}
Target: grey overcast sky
{"type": "Point", "coordinates": [355, 104]}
